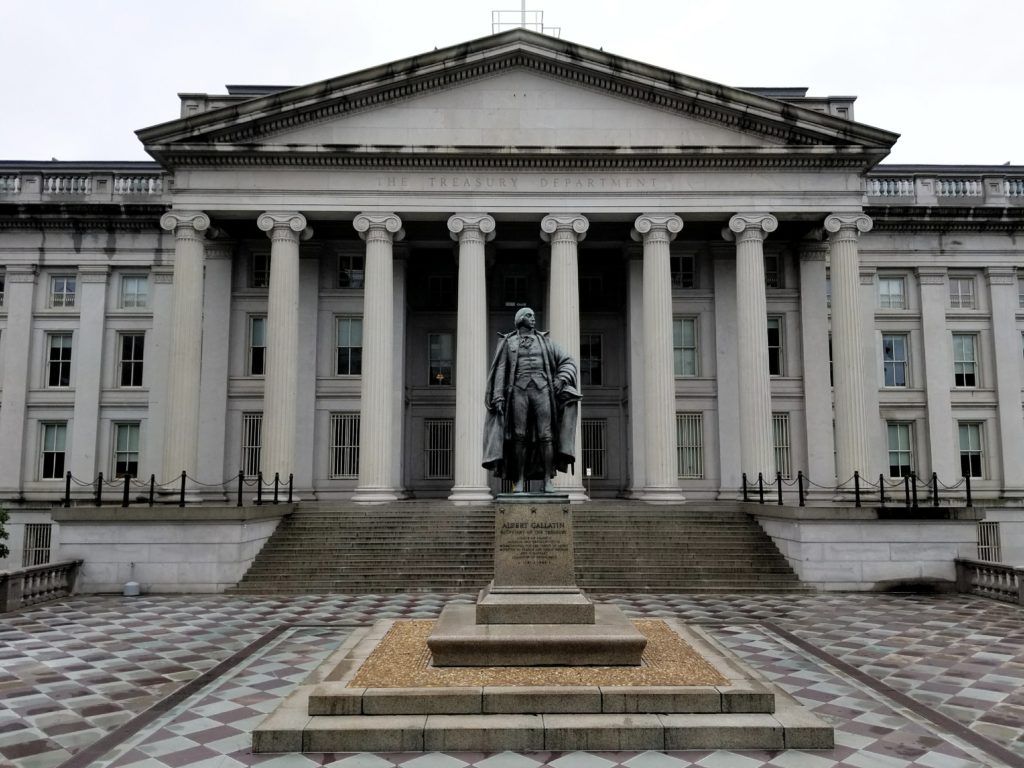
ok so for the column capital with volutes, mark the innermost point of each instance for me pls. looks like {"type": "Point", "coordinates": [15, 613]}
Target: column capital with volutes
{"type": "Point", "coordinates": [288, 225]}
{"type": "Point", "coordinates": [656, 226]}
{"type": "Point", "coordinates": [847, 226]}
{"type": "Point", "coordinates": [471, 225]}
{"type": "Point", "coordinates": [184, 223]}
{"type": "Point", "coordinates": [750, 226]}
{"type": "Point", "coordinates": [379, 226]}
{"type": "Point", "coordinates": [574, 225]}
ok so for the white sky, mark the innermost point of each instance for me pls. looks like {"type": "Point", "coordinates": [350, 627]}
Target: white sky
{"type": "Point", "coordinates": [80, 76]}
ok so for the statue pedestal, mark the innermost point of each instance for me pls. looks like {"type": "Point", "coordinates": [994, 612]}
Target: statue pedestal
{"type": "Point", "coordinates": [533, 614]}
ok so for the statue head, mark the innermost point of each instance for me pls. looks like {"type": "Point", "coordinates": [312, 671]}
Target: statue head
{"type": "Point", "coordinates": [525, 316]}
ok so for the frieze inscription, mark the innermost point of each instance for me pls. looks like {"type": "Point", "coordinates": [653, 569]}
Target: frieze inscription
{"type": "Point", "coordinates": [463, 182]}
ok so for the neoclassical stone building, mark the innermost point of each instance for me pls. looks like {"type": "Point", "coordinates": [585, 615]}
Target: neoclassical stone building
{"type": "Point", "coordinates": [310, 281]}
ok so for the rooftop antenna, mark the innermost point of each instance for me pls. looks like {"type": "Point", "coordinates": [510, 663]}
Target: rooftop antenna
{"type": "Point", "coordinates": [523, 19]}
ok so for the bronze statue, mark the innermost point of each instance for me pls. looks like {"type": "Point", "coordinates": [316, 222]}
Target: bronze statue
{"type": "Point", "coordinates": [532, 401]}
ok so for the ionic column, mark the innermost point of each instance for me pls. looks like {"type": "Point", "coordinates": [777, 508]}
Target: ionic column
{"type": "Point", "coordinates": [181, 407]}
{"type": "Point", "coordinates": [471, 231]}
{"type": "Point", "coordinates": [376, 478]}
{"type": "Point", "coordinates": [1002, 283]}
{"type": "Point", "coordinates": [17, 337]}
{"type": "Point", "coordinates": [213, 387]}
{"type": "Point", "coordinates": [756, 446]}
{"type": "Point", "coordinates": [853, 445]}
{"type": "Point", "coordinates": [280, 388]}
{"type": "Point", "coordinates": [564, 232]}
{"type": "Point", "coordinates": [814, 338]}
{"type": "Point", "coordinates": [656, 231]}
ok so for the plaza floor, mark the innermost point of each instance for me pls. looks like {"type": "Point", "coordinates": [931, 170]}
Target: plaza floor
{"type": "Point", "coordinates": [171, 681]}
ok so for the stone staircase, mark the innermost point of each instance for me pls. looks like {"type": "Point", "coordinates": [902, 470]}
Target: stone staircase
{"type": "Point", "coordinates": [420, 546]}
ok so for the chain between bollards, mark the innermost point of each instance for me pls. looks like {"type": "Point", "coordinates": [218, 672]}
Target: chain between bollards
{"type": "Point", "coordinates": [291, 479]}
{"type": "Point", "coordinates": [124, 496]}
{"type": "Point", "coordinates": [259, 488]}
{"type": "Point", "coordinates": [181, 494]}
{"type": "Point", "coordinates": [800, 485]}
{"type": "Point", "coordinates": [856, 488]}
{"type": "Point", "coordinates": [67, 489]}
{"type": "Point", "coordinates": [99, 489]}
{"type": "Point", "coordinates": [760, 488]}
{"type": "Point", "coordinates": [778, 484]}
{"type": "Point", "coordinates": [241, 481]}
{"type": "Point", "coordinates": [881, 489]}
{"type": "Point", "coordinates": [967, 485]}
{"type": "Point", "coordinates": [745, 496]}
{"type": "Point", "coordinates": [152, 488]}
{"type": "Point", "coordinates": [913, 488]}
{"type": "Point", "coordinates": [277, 483]}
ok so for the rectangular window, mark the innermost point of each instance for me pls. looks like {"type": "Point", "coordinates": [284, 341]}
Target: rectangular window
{"type": "Point", "coordinates": [894, 359]}
{"type": "Point", "coordinates": [989, 545]}
{"type": "Point", "coordinates": [901, 448]}
{"type": "Point", "coordinates": [965, 360]}
{"type": "Point", "coordinates": [58, 360]}
{"type": "Point", "coordinates": [126, 450]}
{"type": "Point", "coordinates": [259, 277]}
{"type": "Point", "coordinates": [132, 347]}
{"type": "Point", "coordinates": [591, 356]}
{"type": "Point", "coordinates": [62, 291]}
{"type": "Point", "coordinates": [961, 293]}
{"type": "Point", "coordinates": [252, 442]}
{"type": "Point", "coordinates": [971, 454]}
{"type": "Point", "coordinates": [441, 291]}
{"type": "Point", "coordinates": [350, 346]}
{"type": "Point", "coordinates": [513, 290]}
{"type": "Point", "coordinates": [134, 291]}
{"type": "Point", "coordinates": [351, 268]}
{"type": "Point", "coordinates": [892, 293]}
{"type": "Point", "coordinates": [52, 459]}
{"type": "Point", "coordinates": [437, 443]}
{"type": "Point", "coordinates": [257, 345]}
{"type": "Point", "coordinates": [690, 445]}
{"type": "Point", "coordinates": [684, 273]}
{"type": "Point", "coordinates": [593, 444]}
{"type": "Point", "coordinates": [344, 445]}
{"type": "Point", "coordinates": [36, 550]}
{"type": "Point", "coordinates": [782, 445]}
{"type": "Point", "coordinates": [775, 367]}
{"type": "Point", "coordinates": [441, 356]}
{"type": "Point", "coordinates": [684, 345]}
{"type": "Point", "coordinates": [772, 270]}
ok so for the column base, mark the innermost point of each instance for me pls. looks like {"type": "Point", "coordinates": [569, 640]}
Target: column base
{"type": "Point", "coordinates": [662, 495]}
{"type": "Point", "coordinates": [374, 495]}
{"type": "Point", "coordinates": [471, 494]}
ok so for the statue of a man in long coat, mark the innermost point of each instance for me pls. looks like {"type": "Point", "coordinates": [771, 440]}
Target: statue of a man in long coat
{"type": "Point", "coordinates": [532, 401]}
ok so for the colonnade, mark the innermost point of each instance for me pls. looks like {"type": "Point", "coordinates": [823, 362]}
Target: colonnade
{"type": "Point", "coordinates": [655, 409]}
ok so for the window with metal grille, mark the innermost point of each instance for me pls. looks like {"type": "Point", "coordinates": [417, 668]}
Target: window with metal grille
{"type": "Point", "coordinates": [257, 345]}
{"type": "Point", "coordinates": [52, 454]}
{"type": "Point", "coordinates": [130, 365]}
{"type": "Point", "coordinates": [690, 445]}
{"type": "Point", "coordinates": [961, 293]}
{"type": "Point", "coordinates": [971, 453]}
{"type": "Point", "coordinates": [989, 545]}
{"type": "Point", "coordinates": [901, 448]}
{"type": "Point", "coordinates": [775, 357]}
{"type": "Point", "coordinates": [782, 445]}
{"type": "Point", "coordinates": [134, 291]}
{"type": "Point", "coordinates": [252, 442]}
{"type": "Point", "coordinates": [591, 355]}
{"type": "Point", "coordinates": [437, 444]}
{"type": "Point", "coordinates": [440, 349]}
{"type": "Point", "coordinates": [351, 270]}
{"type": "Point", "coordinates": [894, 359]}
{"type": "Point", "coordinates": [259, 276]}
{"type": "Point", "coordinates": [773, 270]}
{"type": "Point", "coordinates": [58, 363]}
{"type": "Point", "coordinates": [62, 291]}
{"type": "Point", "coordinates": [350, 346]}
{"type": "Point", "coordinates": [593, 444]}
{"type": "Point", "coordinates": [684, 273]}
{"type": "Point", "coordinates": [892, 293]}
{"type": "Point", "coordinates": [126, 450]}
{"type": "Point", "coordinates": [965, 359]}
{"type": "Point", "coordinates": [344, 445]}
{"type": "Point", "coordinates": [36, 550]}
{"type": "Point", "coordinates": [684, 346]}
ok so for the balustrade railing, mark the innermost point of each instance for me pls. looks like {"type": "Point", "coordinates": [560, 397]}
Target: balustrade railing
{"type": "Point", "coordinates": [149, 184]}
{"type": "Point", "coordinates": [10, 184]}
{"type": "Point", "coordinates": [1014, 187]}
{"type": "Point", "coordinates": [37, 584]}
{"type": "Point", "coordinates": [926, 187]}
{"type": "Point", "coordinates": [889, 187]}
{"type": "Point", "coordinates": [959, 187]}
{"type": "Point", "coordinates": [77, 184]}
{"type": "Point", "coordinates": [993, 580]}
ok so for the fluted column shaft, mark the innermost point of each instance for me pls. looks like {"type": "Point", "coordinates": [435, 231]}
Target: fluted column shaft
{"type": "Point", "coordinates": [662, 481]}
{"type": "Point", "coordinates": [853, 451]}
{"type": "Point", "coordinates": [817, 387]}
{"type": "Point", "coordinates": [472, 231]}
{"type": "Point", "coordinates": [1002, 283]}
{"type": "Point", "coordinates": [376, 479]}
{"type": "Point", "coordinates": [564, 232]}
{"type": "Point", "coordinates": [280, 388]}
{"type": "Point", "coordinates": [181, 409]}
{"type": "Point", "coordinates": [756, 446]}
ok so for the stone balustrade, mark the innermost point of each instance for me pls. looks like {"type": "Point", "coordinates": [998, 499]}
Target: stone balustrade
{"type": "Point", "coordinates": [993, 580]}
{"type": "Point", "coordinates": [902, 186]}
{"type": "Point", "coordinates": [37, 584]}
{"type": "Point", "coordinates": [36, 184]}
{"type": "Point", "coordinates": [147, 184]}
{"type": "Point", "coordinates": [928, 187]}
{"type": "Point", "coordinates": [10, 184]}
{"type": "Point", "coordinates": [67, 185]}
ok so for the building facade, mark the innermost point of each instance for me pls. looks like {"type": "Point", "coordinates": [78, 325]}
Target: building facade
{"type": "Point", "coordinates": [309, 281]}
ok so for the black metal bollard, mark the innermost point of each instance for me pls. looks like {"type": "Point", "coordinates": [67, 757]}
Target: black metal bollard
{"type": "Point", "coordinates": [152, 488]}
{"type": "Point", "coordinates": [778, 484]}
{"type": "Point", "coordinates": [127, 490]}
{"type": "Point", "coordinates": [291, 480]}
{"type": "Point", "coordinates": [181, 493]}
{"type": "Point", "coordinates": [241, 480]}
{"type": "Point", "coordinates": [745, 497]}
{"type": "Point", "coordinates": [906, 491]}
{"type": "Point", "coordinates": [913, 488]}
{"type": "Point", "coordinates": [99, 489]}
{"type": "Point", "coordinates": [800, 485]}
{"type": "Point", "coordinates": [967, 485]}
{"type": "Point", "coordinates": [67, 490]}
{"type": "Point", "coordinates": [935, 489]}
{"type": "Point", "coordinates": [760, 488]}
{"type": "Point", "coordinates": [881, 489]}
{"type": "Point", "coordinates": [259, 488]}
{"type": "Point", "coordinates": [277, 483]}
{"type": "Point", "coordinates": [856, 488]}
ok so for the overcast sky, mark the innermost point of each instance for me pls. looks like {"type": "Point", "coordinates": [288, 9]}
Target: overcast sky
{"type": "Point", "coordinates": [80, 76]}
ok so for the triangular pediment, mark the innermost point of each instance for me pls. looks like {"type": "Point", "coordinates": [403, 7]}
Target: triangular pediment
{"type": "Point", "coordinates": [518, 93]}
